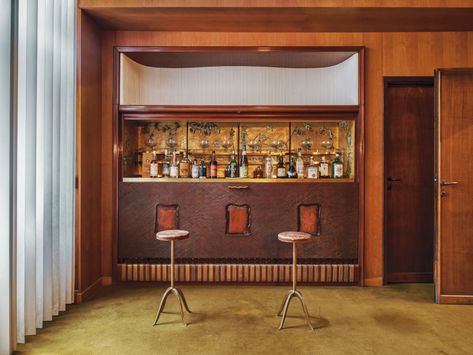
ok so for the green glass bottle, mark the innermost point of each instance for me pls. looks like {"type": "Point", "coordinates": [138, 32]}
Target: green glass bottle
{"type": "Point", "coordinates": [337, 167]}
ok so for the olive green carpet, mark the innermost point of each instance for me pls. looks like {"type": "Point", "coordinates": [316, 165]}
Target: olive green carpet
{"type": "Point", "coordinates": [398, 319]}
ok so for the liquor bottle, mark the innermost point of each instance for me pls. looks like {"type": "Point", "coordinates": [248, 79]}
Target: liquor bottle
{"type": "Point", "coordinates": [244, 158]}
{"type": "Point", "coordinates": [213, 166]}
{"type": "Point", "coordinates": [226, 172]}
{"type": "Point", "coordinates": [323, 168]}
{"type": "Point", "coordinates": [337, 167]}
{"type": "Point", "coordinates": [203, 170]}
{"type": "Point", "coordinates": [312, 170]}
{"type": "Point", "coordinates": [195, 169]}
{"type": "Point", "coordinates": [184, 166]}
{"type": "Point", "coordinates": [166, 164]}
{"type": "Point", "coordinates": [174, 170]}
{"type": "Point", "coordinates": [281, 172]}
{"type": "Point", "coordinates": [244, 163]}
{"type": "Point", "coordinates": [300, 164]}
{"type": "Point", "coordinates": [268, 166]}
{"type": "Point", "coordinates": [292, 173]}
{"type": "Point", "coordinates": [258, 173]}
{"type": "Point", "coordinates": [153, 167]}
{"type": "Point", "coordinates": [233, 173]}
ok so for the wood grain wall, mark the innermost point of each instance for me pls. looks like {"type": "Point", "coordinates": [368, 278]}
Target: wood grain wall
{"type": "Point", "coordinates": [89, 192]}
{"type": "Point", "coordinates": [388, 54]}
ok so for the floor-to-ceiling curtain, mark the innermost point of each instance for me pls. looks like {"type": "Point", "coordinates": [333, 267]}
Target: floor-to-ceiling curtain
{"type": "Point", "coordinates": [45, 161]}
{"type": "Point", "coordinates": [5, 178]}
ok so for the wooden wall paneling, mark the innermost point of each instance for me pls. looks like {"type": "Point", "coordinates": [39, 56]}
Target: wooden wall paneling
{"type": "Point", "coordinates": [107, 207]}
{"type": "Point", "coordinates": [418, 54]}
{"type": "Point", "coordinates": [88, 232]}
{"type": "Point", "coordinates": [373, 150]}
{"type": "Point", "coordinates": [388, 54]}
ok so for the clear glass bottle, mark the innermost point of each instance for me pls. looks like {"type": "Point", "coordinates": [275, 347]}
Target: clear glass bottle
{"type": "Point", "coordinates": [166, 164]}
{"type": "Point", "coordinates": [281, 172]}
{"type": "Point", "coordinates": [195, 169]}
{"type": "Point", "coordinates": [184, 166]}
{"type": "Point", "coordinates": [337, 167]}
{"type": "Point", "coordinates": [300, 164]}
{"type": "Point", "coordinates": [312, 170]}
{"type": "Point", "coordinates": [153, 166]}
{"type": "Point", "coordinates": [244, 158]}
{"type": "Point", "coordinates": [174, 170]}
{"type": "Point", "coordinates": [244, 163]}
{"type": "Point", "coordinates": [268, 166]}
{"type": "Point", "coordinates": [233, 173]}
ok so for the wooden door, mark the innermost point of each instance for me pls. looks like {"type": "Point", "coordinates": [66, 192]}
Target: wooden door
{"type": "Point", "coordinates": [409, 173]}
{"type": "Point", "coordinates": [454, 193]}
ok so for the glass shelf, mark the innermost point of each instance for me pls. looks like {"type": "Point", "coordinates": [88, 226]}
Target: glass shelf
{"type": "Point", "coordinates": [237, 181]}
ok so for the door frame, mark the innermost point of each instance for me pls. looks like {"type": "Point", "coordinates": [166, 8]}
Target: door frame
{"type": "Point", "coordinates": [390, 81]}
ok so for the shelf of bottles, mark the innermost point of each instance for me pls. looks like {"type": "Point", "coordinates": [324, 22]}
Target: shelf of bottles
{"type": "Point", "coordinates": [309, 151]}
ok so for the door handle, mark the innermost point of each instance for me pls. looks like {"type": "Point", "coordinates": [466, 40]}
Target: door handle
{"type": "Point", "coordinates": [446, 183]}
{"type": "Point", "coordinates": [238, 187]}
{"type": "Point", "coordinates": [390, 179]}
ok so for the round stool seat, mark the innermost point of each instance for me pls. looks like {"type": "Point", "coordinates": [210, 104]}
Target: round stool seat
{"type": "Point", "coordinates": [172, 234]}
{"type": "Point", "coordinates": [294, 237]}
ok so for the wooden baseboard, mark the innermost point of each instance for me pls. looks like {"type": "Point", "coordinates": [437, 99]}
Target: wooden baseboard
{"type": "Point", "coordinates": [241, 273]}
{"type": "Point", "coordinates": [106, 280]}
{"type": "Point", "coordinates": [88, 292]}
{"type": "Point", "coordinates": [374, 282]}
{"type": "Point", "coordinates": [455, 299]}
{"type": "Point", "coordinates": [409, 277]}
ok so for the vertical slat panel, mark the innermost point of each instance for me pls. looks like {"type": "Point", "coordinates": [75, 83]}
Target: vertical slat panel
{"type": "Point", "coordinates": [307, 273]}
{"type": "Point", "coordinates": [240, 276]}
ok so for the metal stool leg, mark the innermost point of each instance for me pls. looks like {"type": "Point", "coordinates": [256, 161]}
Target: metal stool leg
{"type": "Point", "coordinates": [285, 308]}
{"type": "Point", "coordinates": [183, 300]}
{"type": "Point", "coordinates": [283, 303]}
{"type": "Point", "coordinates": [161, 305]}
{"type": "Point", "coordinates": [177, 292]}
{"type": "Point", "coordinates": [294, 293]}
{"type": "Point", "coordinates": [304, 307]}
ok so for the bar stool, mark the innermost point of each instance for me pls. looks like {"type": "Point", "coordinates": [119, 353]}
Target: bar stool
{"type": "Point", "coordinates": [166, 236]}
{"type": "Point", "coordinates": [294, 238]}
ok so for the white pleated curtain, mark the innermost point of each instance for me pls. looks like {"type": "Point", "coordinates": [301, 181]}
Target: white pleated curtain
{"type": "Point", "coordinates": [45, 167]}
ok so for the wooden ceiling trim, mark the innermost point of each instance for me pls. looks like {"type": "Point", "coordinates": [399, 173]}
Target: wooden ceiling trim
{"type": "Point", "coordinates": [275, 3]}
{"type": "Point", "coordinates": [284, 19]}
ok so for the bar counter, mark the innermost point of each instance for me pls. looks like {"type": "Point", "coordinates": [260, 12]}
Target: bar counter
{"type": "Point", "coordinates": [236, 222]}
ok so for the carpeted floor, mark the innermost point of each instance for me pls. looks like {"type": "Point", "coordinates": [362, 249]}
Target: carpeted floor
{"type": "Point", "coordinates": [399, 319]}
